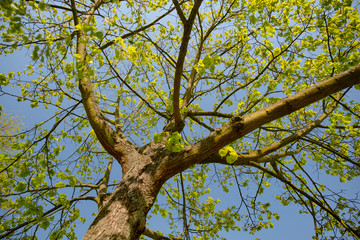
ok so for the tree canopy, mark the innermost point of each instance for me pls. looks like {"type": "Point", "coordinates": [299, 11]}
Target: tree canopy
{"type": "Point", "coordinates": [189, 97]}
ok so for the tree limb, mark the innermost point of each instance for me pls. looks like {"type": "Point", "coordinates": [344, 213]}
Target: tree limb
{"type": "Point", "coordinates": [209, 113]}
{"type": "Point", "coordinates": [180, 12]}
{"type": "Point", "coordinates": [115, 145]}
{"type": "Point", "coordinates": [260, 153]}
{"type": "Point", "coordinates": [103, 187]}
{"type": "Point", "coordinates": [238, 127]}
{"type": "Point", "coordinates": [179, 66]}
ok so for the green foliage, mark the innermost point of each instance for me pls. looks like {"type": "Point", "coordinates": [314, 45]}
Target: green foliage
{"type": "Point", "coordinates": [242, 56]}
{"type": "Point", "coordinates": [208, 63]}
{"type": "Point", "coordinates": [230, 154]}
{"type": "Point", "coordinates": [173, 142]}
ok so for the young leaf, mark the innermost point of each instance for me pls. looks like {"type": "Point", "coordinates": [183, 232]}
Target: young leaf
{"type": "Point", "coordinates": [20, 187]}
{"type": "Point", "coordinates": [232, 157]}
{"type": "Point", "coordinates": [223, 152]}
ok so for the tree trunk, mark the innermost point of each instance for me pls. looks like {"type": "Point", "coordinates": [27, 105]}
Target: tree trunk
{"type": "Point", "coordinates": [124, 214]}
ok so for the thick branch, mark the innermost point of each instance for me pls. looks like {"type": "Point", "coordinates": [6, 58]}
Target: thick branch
{"type": "Point", "coordinates": [238, 127]}
{"type": "Point", "coordinates": [180, 65]}
{"type": "Point", "coordinates": [74, 12]}
{"type": "Point", "coordinates": [180, 12]}
{"type": "Point", "coordinates": [112, 143]}
{"type": "Point", "coordinates": [261, 153]}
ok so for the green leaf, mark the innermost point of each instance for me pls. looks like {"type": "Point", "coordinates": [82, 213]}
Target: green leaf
{"type": "Point", "coordinates": [44, 224]}
{"type": "Point", "coordinates": [343, 178]}
{"type": "Point", "coordinates": [42, 6]}
{"type": "Point", "coordinates": [60, 185]}
{"type": "Point", "coordinates": [132, 54]}
{"type": "Point", "coordinates": [4, 80]}
{"type": "Point", "coordinates": [120, 41]}
{"type": "Point", "coordinates": [99, 35]}
{"type": "Point", "coordinates": [88, 28]}
{"type": "Point", "coordinates": [35, 55]}
{"type": "Point", "coordinates": [232, 157]}
{"type": "Point", "coordinates": [63, 200]}
{"type": "Point", "coordinates": [252, 19]}
{"type": "Point", "coordinates": [62, 175]}
{"type": "Point", "coordinates": [173, 143]}
{"type": "Point", "coordinates": [20, 187]}
{"type": "Point", "coordinates": [101, 60]}
{"type": "Point", "coordinates": [267, 184]}
{"type": "Point", "coordinates": [24, 172]}
{"type": "Point", "coordinates": [223, 152]}
{"type": "Point", "coordinates": [230, 153]}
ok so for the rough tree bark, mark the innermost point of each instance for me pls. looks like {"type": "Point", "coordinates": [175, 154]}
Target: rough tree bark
{"type": "Point", "coordinates": [123, 215]}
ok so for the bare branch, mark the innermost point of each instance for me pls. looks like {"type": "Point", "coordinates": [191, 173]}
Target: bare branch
{"type": "Point", "coordinates": [332, 150]}
{"type": "Point", "coordinates": [57, 6]}
{"type": "Point", "coordinates": [103, 187]}
{"type": "Point", "coordinates": [202, 124]}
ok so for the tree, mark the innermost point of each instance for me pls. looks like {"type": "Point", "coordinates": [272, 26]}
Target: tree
{"type": "Point", "coordinates": [246, 93]}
